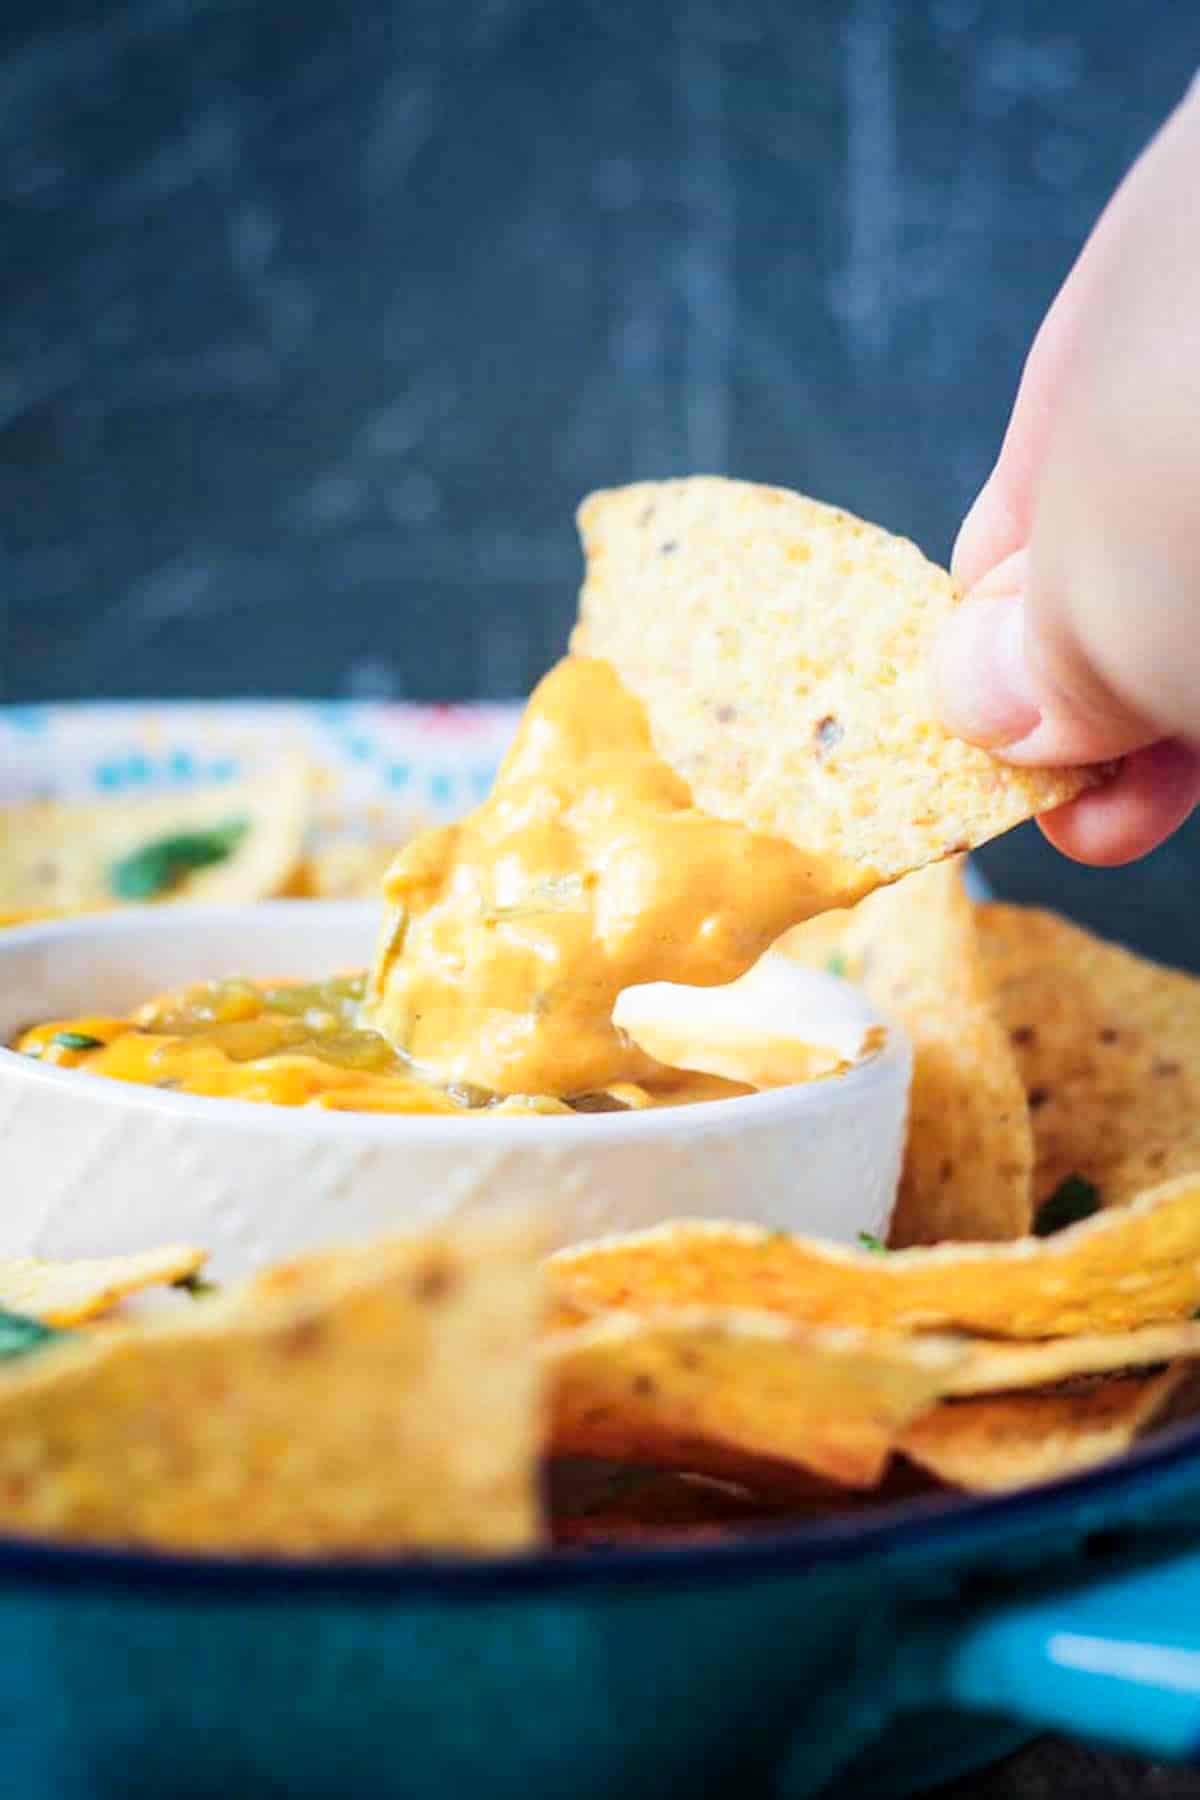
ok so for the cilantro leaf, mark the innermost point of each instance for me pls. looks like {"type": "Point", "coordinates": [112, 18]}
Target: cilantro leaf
{"type": "Point", "coordinates": [160, 865]}
{"type": "Point", "coordinates": [835, 964]}
{"type": "Point", "coordinates": [19, 1335]}
{"type": "Point", "coordinates": [869, 1241]}
{"type": "Point", "coordinates": [1074, 1198]}
{"type": "Point", "coordinates": [77, 1040]}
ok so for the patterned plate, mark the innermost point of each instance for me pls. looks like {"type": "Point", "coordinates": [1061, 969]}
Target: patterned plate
{"type": "Point", "coordinates": [417, 762]}
{"type": "Point", "coordinates": [434, 761]}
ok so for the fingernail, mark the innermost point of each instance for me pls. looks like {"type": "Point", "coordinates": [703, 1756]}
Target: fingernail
{"type": "Point", "coordinates": [981, 682]}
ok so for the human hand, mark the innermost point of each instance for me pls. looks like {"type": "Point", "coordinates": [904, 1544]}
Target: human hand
{"type": "Point", "coordinates": [1079, 640]}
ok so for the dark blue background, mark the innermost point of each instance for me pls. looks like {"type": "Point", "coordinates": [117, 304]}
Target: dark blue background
{"type": "Point", "coordinates": [317, 320]}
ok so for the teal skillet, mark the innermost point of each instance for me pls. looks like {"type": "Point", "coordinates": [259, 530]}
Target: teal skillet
{"type": "Point", "coordinates": [878, 1653]}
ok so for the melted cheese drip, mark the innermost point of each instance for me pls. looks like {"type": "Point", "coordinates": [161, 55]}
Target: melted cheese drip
{"type": "Point", "coordinates": [587, 870]}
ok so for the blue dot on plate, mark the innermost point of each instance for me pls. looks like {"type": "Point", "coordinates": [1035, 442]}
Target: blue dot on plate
{"type": "Point", "coordinates": [399, 774]}
{"type": "Point", "coordinates": [441, 788]}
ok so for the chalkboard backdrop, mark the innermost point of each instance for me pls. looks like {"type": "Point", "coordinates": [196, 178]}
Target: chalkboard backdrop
{"type": "Point", "coordinates": [317, 321]}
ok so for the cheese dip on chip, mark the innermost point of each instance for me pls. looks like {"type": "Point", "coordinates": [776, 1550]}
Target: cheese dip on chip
{"type": "Point", "coordinates": [740, 741]}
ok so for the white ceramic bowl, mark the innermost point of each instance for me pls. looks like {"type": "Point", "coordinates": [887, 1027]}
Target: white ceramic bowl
{"type": "Point", "coordinates": [92, 1166]}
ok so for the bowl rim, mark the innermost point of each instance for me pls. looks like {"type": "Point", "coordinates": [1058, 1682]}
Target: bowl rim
{"type": "Point", "coordinates": [705, 1117]}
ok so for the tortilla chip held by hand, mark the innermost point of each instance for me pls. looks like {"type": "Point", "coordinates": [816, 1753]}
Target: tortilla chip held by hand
{"type": "Point", "coordinates": [779, 647]}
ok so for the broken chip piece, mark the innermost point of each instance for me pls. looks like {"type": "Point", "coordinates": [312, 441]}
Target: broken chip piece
{"type": "Point", "coordinates": [69, 1293]}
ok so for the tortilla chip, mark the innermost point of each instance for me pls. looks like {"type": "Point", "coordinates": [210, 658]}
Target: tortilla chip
{"type": "Point", "coordinates": [30, 915]}
{"type": "Point", "coordinates": [1132, 1266]}
{"type": "Point", "coordinates": [391, 1400]}
{"type": "Point", "coordinates": [969, 1154]}
{"type": "Point", "coordinates": [68, 1293]}
{"type": "Point", "coordinates": [1001, 1368]}
{"type": "Point", "coordinates": [60, 858]}
{"type": "Point", "coordinates": [779, 647]}
{"type": "Point", "coordinates": [1108, 1046]}
{"type": "Point", "coordinates": [1010, 1440]}
{"type": "Point", "coordinates": [704, 1388]}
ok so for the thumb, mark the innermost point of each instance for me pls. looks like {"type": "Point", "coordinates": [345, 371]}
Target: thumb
{"type": "Point", "coordinates": [1023, 687]}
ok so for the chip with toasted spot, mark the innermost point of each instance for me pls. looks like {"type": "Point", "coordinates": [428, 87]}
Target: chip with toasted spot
{"type": "Point", "coordinates": [779, 647]}
{"type": "Point", "coordinates": [388, 1398]}
{"type": "Point", "coordinates": [705, 1389]}
{"type": "Point", "coordinates": [968, 1158]}
{"type": "Point", "coordinates": [1108, 1047]}
{"type": "Point", "coordinates": [1007, 1441]}
{"type": "Point", "coordinates": [225, 843]}
{"type": "Point", "coordinates": [69, 1293]}
{"type": "Point", "coordinates": [1130, 1266]}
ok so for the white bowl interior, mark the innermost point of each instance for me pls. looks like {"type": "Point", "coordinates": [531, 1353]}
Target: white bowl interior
{"type": "Point", "coordinates": [112, 962]}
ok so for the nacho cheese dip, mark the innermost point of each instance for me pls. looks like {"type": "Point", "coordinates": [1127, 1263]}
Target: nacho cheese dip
{"type": "Point", "coordinates": [507, 940]}
{"type": "Point", "coordinates": [289, 1044]}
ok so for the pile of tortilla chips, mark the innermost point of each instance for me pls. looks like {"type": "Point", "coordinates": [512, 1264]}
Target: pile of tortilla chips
{"type": "Point", "coordinates": [1038, 1306]}
{"type": "Point", "coordinates": [1006, 1334]}
{"type": "Point", "coordinates": [1047, 1307]}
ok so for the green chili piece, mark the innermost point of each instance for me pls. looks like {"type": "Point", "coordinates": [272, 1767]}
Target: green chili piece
{"type": "Point", "coordinates": [160, 865]}
{"type": "Point", "coordinates": [77, 1040]}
